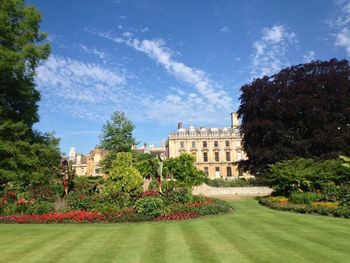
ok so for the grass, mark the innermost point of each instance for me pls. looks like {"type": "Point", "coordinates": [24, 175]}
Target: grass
{"type": "Point", "coordinates": [251, 233]}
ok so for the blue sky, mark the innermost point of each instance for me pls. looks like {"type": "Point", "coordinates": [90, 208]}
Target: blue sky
{"type": "Point", "coordinates": [163, 61]}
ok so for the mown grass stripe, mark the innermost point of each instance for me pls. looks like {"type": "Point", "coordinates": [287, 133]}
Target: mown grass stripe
{"type": "Point", "coordinates": [30, 242]}
{"type": "Point", "coordinates": [285, 233]}
{"type": "Point", "coordinates": [197, 245]}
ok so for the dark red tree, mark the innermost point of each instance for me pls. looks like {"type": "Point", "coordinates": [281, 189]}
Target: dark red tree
{"type": "Point", "coordinates": [301, 111]}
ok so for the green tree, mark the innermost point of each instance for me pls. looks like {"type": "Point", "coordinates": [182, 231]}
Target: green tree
{"type": "Point", "coordinates": [21, 51]}
{"type": "Point", "coordinates": [25, 154]}
{"type": "Point", "coordinates": [116, 137]}
{"type": "Point", "coordinates": [123, 176]}
{"type": "Point", "coordinates": [183, 169]}
{"type": "Point", "coordinates": [147, 164]}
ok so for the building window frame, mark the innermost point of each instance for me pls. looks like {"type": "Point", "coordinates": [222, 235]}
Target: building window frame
{"type": "Point", "coordinates": [217, 157]}
{"type": "Point", "coordinates": [228, 156]}
{"type": "Point", "coordinates": [205, 157]}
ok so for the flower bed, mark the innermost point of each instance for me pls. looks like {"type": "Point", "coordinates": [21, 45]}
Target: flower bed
{"type": "Point", "coordinates": [321, 208]}
{"type": "Point", "coordinates": [201, 207]}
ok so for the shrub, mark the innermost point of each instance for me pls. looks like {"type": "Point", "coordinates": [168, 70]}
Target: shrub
{"type": "Point", "coordinates": [333, 193]}
{"type": "Point", "coordinates": [123, 177]}
{"type": "Point", "coordinates": [304, 197]}
{"type": "Point", "coordinates": [216, 206]}
{"type": "Point", "coordinates": [40, 208]}
{"type": "Point", "coordinates": [227, 183]}
{"type": "Point", "coordinates": [79, 201]}
{"type": "Point", "coordinates": [150, 206]}
{"type": "Point", "coordinates": [180, 195]}
{"type": "Point", "coordinates": [305, 175]}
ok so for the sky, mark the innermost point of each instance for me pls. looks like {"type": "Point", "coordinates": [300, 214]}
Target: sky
{"type": "Point", "coordinates": [165, 61]}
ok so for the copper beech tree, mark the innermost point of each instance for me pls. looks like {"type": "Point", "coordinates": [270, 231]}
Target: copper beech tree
{"type": "Point", "coordinates": [302, 111]}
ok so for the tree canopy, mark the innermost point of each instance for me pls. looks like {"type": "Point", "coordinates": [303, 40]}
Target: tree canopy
{"type": "Point", "coordinates": [302, 111]}
{"type": "Point", "coordinates": [21, 51]}
{"type": "Point", "coordinates": [117, 137]}
{"type": "Point", "coordinates": [25, 154]}
{"type": "Point", "coordinates": [183, 169]}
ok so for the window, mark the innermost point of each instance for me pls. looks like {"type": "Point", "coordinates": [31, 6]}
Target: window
{"type": "Point", "coordinates": [228, 156]}
{"type": "Point", "coordinates": [227, 143]}
{"type": "Point", "coordinates": [206, 171]}
{"type": "Point", "coordinates": [205, 144]}
{"type": "Point", "coordinates": [193, 144]}
{"type": "Point", "coordinates": [216, 144]}
{"type": "Point", "coordinates": [97, 171]}
{"type": "Point", "coordinates": [217, 172]}
{"type": "Point", "coordinates": [229, 171]}
{"type": "Point", "coordinates": [217, 157]}
{"type": "Point", "coordinates": [182, 144]}
{"type": "Point", "coordinates": [205, 157]}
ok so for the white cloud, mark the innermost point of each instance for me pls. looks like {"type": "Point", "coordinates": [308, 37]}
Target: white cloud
{"type": "Point", "coordinates": [225, 29]}
{"type": "Point", "coordinates": [207, 89]}
{"type": "Point", "coordinates": [84, 90]}
{"type": "Point", "coordinates": [270, 51]}
{"type": "Point", "coordinates": [342, 27]}
{"type": "Point", "coordinates": [202, 100]}
{"type": "Point", "coordinates": [309, 56]}
{"type": "Point", "coordinates": [92, 50]}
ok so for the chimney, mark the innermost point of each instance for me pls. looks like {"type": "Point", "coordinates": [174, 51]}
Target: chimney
{"type": "Point", "coordinates": [234, 120]}
{"type": "Point", "coordinates": [179, 125]}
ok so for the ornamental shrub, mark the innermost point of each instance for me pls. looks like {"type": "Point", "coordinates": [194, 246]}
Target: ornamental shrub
{"type": "Point", "coordinates": [40, 208]}
{"type": "Point", "coordinates": [304, 198]}
{"type": "Point", "coordinates": [150, 206]}
{"type": "Point", "coordinates": [123, 177]}
{"type": "Point", "coordinates": [181, 195]}
{"type": "Point", "coordinates": [79, 201]}
{"type": "Point", "coordinates": [227, 183]}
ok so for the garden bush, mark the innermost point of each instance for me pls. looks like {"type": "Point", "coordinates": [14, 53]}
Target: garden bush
{"type": "Point", "coordinates": [150, 206]}
{"type": "Point", "coordinates": [304, 197]}
{"type": "Point", "coordinates": [180, 195]}
{"type": "Point", "coordinates": [305, 175]}
{"type": "Point", "coordinates": [79, 201]}
{"type": "Point", "coordinates": [332, 192]}
{"type": "Point", "coordinates": [227, 183]}
{"type": "Point", "coordinates": [40, 208]}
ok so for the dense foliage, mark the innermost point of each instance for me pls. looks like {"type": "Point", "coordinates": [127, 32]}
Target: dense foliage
{"type": "Point", "coordinates": [124, 178]}
{"type": "Point", "coordinates": [116, 137]}
{"type": "Point", "coordinates": [183, 170]}
{"type": "Point", "coordinates": [303, 111]}
{"type": "Point", "coordinates": [306, 175]}
{"type": "Point", "coordinates": [26, 156]}
{"type": "Point", "coordinates": [147, 164]}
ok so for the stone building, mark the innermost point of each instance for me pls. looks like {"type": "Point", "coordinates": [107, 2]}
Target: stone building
{"type": "Point", "coordinates": [216, 150]}
{"type": "Point", "coordinates": [87, 165]}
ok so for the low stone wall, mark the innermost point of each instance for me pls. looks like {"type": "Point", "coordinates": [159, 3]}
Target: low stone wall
{"type": "Point", "coordinates": [207, 190]}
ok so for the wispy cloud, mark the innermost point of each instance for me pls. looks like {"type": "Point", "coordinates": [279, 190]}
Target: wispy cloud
{"type": "Point", "coordinates": [203, 99]}
{"type": "Point", "coordinates": [342, 26]}
{"type": "Point", "coordinates": [84, 90]}
{"type": "Point", "coordinates": [92, 50]}
{"type": "Point", "coordinates": [270, 51]}
{"type": "Point", "coordinates": [309, 56]}
{"type": "Point", "coordinates": [225, 29]}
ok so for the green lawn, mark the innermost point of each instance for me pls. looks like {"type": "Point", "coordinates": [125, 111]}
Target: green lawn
{"type": "Point", "coordinates": [250, 234]}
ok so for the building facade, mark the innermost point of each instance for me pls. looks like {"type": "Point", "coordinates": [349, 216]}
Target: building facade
{"type": "Point", "coordinates": [87, 165]}
{"type": "Point", "coordinates": [216, 150]}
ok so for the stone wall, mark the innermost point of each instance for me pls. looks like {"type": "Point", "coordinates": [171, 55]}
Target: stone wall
{"type": "Point", "coordinates": [207, 190]}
